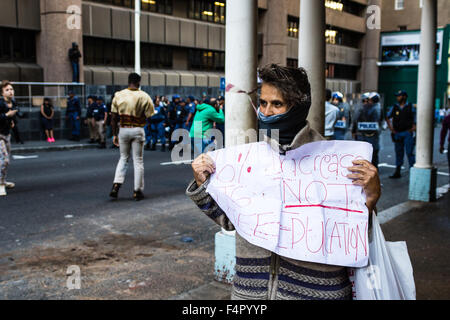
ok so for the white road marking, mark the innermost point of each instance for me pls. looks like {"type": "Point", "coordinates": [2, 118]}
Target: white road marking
{"type": "Point", "coordinates": [16, 157]}
{"type": "Point", "coordinates": [176, 163]}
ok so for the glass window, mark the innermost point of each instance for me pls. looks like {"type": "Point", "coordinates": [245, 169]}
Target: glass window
{"type": "Point", "coordinates": [206, 60]}
{"type": "Point", "coordinates": [118, 53]}
{"type": "Point", "coordinates": [207, 10]}
{"type": "Point", "coordinates": [160, 6]}
{"type": "Point", "coordinates": [17, 45]}
{"type": "Point", "coordinates": [293, 27]}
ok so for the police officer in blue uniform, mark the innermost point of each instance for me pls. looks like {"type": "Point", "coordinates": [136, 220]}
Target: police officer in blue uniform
{"type": "Point", "coordinates": [366, 125]}
{"type": "Point", "coordinates": [173, 114]}
{"type": "Point", "coordinates": [343, 117]}
{"type": "Point", "coordinates": [403, 126]}
{"type": "Point", "coordinates": [157, 127]}
{"type": "Point", "coordinates": [190, 113]}
{"type": "Point", "coordinates": [73, 114]}
{"type": "Point", "coordinates": [99, 113]}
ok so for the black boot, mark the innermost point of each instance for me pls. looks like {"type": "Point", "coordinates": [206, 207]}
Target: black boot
{"type": "Point", "coordinates": [153, 148]}
{"type": "Point", "coordinates": [396, 174]}
{"type": "Point", "coordinates": [115, 190]}
{"type": "Point", "coordinates": [138, 195]}
{"type": "Point", "coordinates": [163, 148]}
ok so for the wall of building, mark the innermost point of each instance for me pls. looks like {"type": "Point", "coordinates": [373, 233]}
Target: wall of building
{"type": "Point", "coordinates": [410, 16]}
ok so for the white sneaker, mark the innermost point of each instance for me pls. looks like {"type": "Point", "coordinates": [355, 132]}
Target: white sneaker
{"type": "Point", "coordinates": [10, 185]}
{"type": "Point", "coordinates": [2, 190]}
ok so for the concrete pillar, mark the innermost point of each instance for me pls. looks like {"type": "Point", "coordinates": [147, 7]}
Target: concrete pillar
{"type": "Point", "coordinates": [58, 30]}
{"type": "Point", "coordinates": [274, 26]}
{"type": "Point", "coordinates": [240, 71]}
{"type": "Point", "coordinates": [312, 57]}
{"type": "Point", "coordinates": [422, 185]}
{"type": "Point", "coordinates": [137, 38]}
{"type": "Point", "coordinates": [371, 48]}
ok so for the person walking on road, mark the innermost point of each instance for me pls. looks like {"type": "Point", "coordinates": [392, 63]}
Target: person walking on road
{"type": "Point", "coordinates": [403, 126]}
{"type": "Point", "coordinates": [7, 113]}
{"type": "Point", "coordinates": [73, 114]}
{"type": "Point", "coordinates": [134, 107]}
{"type": "Point", "coordinates": [262, 274]}
{"type": "Point", "coordinates": [47, 114]}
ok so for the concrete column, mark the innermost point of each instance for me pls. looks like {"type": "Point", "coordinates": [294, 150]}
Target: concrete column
{"type": "Point", "coordinates": [371, 48]}
{"type": "Point", "coordinates": [423, 176]}
{"type": "Point", "coordinates": [312, 57]}
{"type": "Point", "coordinates": [137, 38]}
{"type": "Point", "coordinates": [274, 27]}
{"type": "Point", "coordinates": [240, 71]}
{"type": "Point", "coordinates": [58, 30]}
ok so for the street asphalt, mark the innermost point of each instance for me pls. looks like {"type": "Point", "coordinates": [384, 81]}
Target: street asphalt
{"type": "Point", "coordinates": [59, 215]}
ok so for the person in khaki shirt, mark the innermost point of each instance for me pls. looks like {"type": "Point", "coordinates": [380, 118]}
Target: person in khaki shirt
{"type": "Point", "coordinates": [133, 106]}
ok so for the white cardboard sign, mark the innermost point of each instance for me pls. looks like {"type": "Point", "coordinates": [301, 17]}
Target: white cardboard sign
{"type": "Point", "coordinates": [302, 205]}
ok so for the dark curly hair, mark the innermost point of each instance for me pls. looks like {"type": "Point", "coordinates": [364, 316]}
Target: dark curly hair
{"type": "Point", "coordinates": [293, 84]}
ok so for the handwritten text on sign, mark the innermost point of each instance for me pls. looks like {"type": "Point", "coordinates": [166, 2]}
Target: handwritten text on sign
{"type": "Point", "coordinates": [302, 205]}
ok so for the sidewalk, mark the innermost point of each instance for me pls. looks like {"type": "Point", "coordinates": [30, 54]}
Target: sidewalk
{"type": "Point", "coordinates": [59, 145]}
{"type": "Point", "coordinates": [426, 229]}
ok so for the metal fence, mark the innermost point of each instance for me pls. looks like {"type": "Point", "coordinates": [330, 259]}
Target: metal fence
{"type": "Point", "coordinates": [32, 94]}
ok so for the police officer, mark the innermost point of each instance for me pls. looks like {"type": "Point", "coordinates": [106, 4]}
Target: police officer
{"type": "Point", "coordinates": [173, 114]}
{"type": "Point", "coordinates": [343, 117]}
{"type": "Point", "coordinates": [190, 108]}
{"type": "Point", "coordinates": [73, 114]}
{"type": "Point", "coordinates": [366, 125]}
{"type": "Point", "coordinates": [157, 126]}
{"type": "Point", "coordinates": [403, 126]}
{"type": "Point", "coordinates": [99, 114]}
{"type": "Point", "coordinates": [90, 121]}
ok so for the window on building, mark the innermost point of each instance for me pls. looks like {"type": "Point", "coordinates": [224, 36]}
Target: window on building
{"type": "Point", "coordinates": [293, 63]}
{"type": "Point", "coordinates": [346, 6]}
{"type": "Point", "coordinates": [293, 26]}
{"type": "Point", "coordinates": [118, 53]}
{"type": "Point", "coordinates": [334, 35]}
{"type": "Point", "coordinates": [207, 10]}
{"type": "Point", "coordinates": [17, 45]}
{"type": "Point", "coordinates": [402, 28]}
{"type": "Point", "coordinates": [160, 6]}
{"type": "Point", "coordinates": [206, 60]}
{"type": "Point", "coordinates": [399, 4]}
{"type": "Point", "coordinates": [340, 71]}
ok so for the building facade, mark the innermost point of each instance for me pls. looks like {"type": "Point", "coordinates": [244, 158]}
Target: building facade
{"type": "Point", "coordinates": [400, 50]}
{"type": "Point", "coordinates": [183, 42]}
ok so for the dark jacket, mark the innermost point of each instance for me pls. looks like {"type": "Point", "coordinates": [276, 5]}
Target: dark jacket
{"type": "Point", "coordinates": [444, 130]}
{"type": "Point", "coordinates": [73, 105]}
{"type": "Point", "coordinates": [262, 274]}
{"type": "Point", "coordinates": [6, 122]}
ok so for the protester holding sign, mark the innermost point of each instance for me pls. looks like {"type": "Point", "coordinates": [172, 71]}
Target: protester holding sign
{"type": "Point", "coordinates": [260, 273]}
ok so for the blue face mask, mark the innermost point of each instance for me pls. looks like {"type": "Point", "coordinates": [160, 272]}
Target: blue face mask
{"type": "Point", "coordinates": [289, 123]}
{"type": "Point", "coordinates": [272, 119]}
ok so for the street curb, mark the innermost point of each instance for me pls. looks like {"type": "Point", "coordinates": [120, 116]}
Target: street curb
{"type": "Point", "coordinates": [210, 291]}
{"type": "Point", "coordinates": [24, 150]}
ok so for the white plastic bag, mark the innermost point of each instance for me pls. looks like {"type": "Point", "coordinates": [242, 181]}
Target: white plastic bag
{"type": "Point", "coordinates": [389, 273]}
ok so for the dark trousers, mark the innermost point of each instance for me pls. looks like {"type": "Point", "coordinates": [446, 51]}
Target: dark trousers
{"type": "Point", "coordinates": [404, 141]}
{"type": "Point", "coordinates": [76, 72]}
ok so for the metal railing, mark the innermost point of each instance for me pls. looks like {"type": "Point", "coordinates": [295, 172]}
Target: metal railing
{"type": "Point", "coordinates": [56, 91]}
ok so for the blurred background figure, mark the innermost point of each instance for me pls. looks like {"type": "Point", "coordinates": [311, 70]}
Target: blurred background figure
{"type": "Point", "coordinates": [47, 114]}
{"type": "Point", "coordinates": [74, 57]}
{"type": "Point", "coordinates": [343, 118]}
{"type": "Point", "coordinates": [331, 115]}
